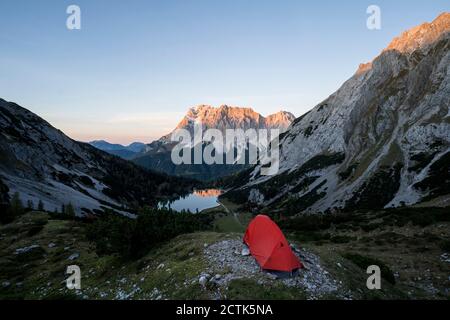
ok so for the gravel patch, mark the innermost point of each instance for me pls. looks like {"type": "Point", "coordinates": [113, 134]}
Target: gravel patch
{"type": "Point", "coordinates": [225, 257]}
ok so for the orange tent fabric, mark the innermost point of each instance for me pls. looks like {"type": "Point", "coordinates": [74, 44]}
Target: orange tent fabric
{"type": "Point", "coordinates": [269, 247]}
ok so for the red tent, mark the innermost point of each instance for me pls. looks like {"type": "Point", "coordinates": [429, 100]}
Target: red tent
{"type": "Point", "coordinates": [269, 246]}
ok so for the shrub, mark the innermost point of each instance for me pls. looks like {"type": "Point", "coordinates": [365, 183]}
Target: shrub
{"type": "Point", "coordinates": [16, 204]}
{"type": "Point", "coordinates": [40, 206]}
{"type": "Point", "coordinates": [69, 210]}
{"type": "Point", "coordinates": [421, 217]}
{"type": "Point", "coordinates": [34, 230]}
{"type": "Point", "coordinates": [14, 209]}
{"type": "Point", "coordinates": [30, 205]}
{"type": "Point", "coordinates": [133, 238]}
{"type": "Point", "coordinates": [363, 262]}
{"type": "Point", "coordinates": [445, 245]}
{"type": "Point", "coordinates": [342, 239]}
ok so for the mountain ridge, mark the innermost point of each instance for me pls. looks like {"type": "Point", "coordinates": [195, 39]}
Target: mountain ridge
{"type": "Point", "coordinates": [126, 152]}
{"type": "Point", "coordinates": [421, 36]}
{"type": "Point", "coordinates": [41, 163]}
{"type": "Point", "coordinates": [230, 117]}
{"type": "Point", "coordinates": [157, 155]}
{"type": "Point", "coordinates": [373, 142]}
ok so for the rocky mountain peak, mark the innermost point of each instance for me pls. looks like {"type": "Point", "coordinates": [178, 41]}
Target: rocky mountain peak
{"type": "Point", "coordinates": [381, 140]}
{"type": "Point", "coordinates": [363, 67]}
{"type": "Point", "coordinates": [281, 119]}
{"type": "Point", "coordinates": [421, 36]}
{"type": "Point", "coordinates": [233, 117]}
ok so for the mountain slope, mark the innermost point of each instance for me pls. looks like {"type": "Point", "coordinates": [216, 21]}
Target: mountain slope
{"type": "Point", "coordinates": [125, 152]}
{"type": "Point", "coordinates": [157, 155]}
{"type": "Point", "coordinates": [381, 140]}
{"type": "Point", "coordinates": [41, 163]}
{"type": "Point", "coordinates": [106, 146]}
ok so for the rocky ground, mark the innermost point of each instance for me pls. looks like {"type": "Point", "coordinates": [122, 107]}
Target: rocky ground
{"type": "Point", "coordinates": [232, 257]}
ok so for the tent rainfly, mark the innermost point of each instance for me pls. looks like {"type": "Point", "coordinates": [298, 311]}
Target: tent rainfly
{"type": "Point", "coordinates": [269, 247]}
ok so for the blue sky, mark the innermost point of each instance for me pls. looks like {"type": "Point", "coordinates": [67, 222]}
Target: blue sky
{"type": "Point", "coordinates": [135, 66]}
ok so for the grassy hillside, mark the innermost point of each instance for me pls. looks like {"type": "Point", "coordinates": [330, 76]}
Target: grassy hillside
{"type": "Point", "coordinates": [414, 260]}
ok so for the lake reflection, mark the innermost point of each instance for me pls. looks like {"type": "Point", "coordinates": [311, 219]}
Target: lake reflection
{"type": "Point", "coordinates": [195, 202]}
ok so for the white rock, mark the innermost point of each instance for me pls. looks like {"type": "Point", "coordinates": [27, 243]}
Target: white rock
{"type": "Point", "coordinates": [271, 276]}
{"type": "Point", "coordinates": [123, 280]}
{"type": "Point", "coordinates": [26, 249]}
{"type": "Point", "coordinates": [203, 280]}
{"type": "Point", "coordinates": [73, 256]}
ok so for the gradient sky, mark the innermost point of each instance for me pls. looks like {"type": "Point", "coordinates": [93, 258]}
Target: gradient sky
{"type": "Point", "coordinates": [135, 67]}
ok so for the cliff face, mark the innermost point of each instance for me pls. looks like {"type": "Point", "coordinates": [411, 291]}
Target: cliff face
{"type": "Point", "coordinates": [381, 140]}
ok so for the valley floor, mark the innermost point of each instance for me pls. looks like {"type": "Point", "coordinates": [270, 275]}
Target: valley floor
{"type": "Point", "coordinates": [35, 251]}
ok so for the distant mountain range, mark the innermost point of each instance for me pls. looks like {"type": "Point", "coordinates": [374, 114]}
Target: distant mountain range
{"type": "Point", "coordinates": [381, 140]}
{"type": "Point", "coordinates": [41, 163]}
{"type": "Point", "coordinates": [157, 155]}
{"type": "Point", "coordinates": [125, 152]}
